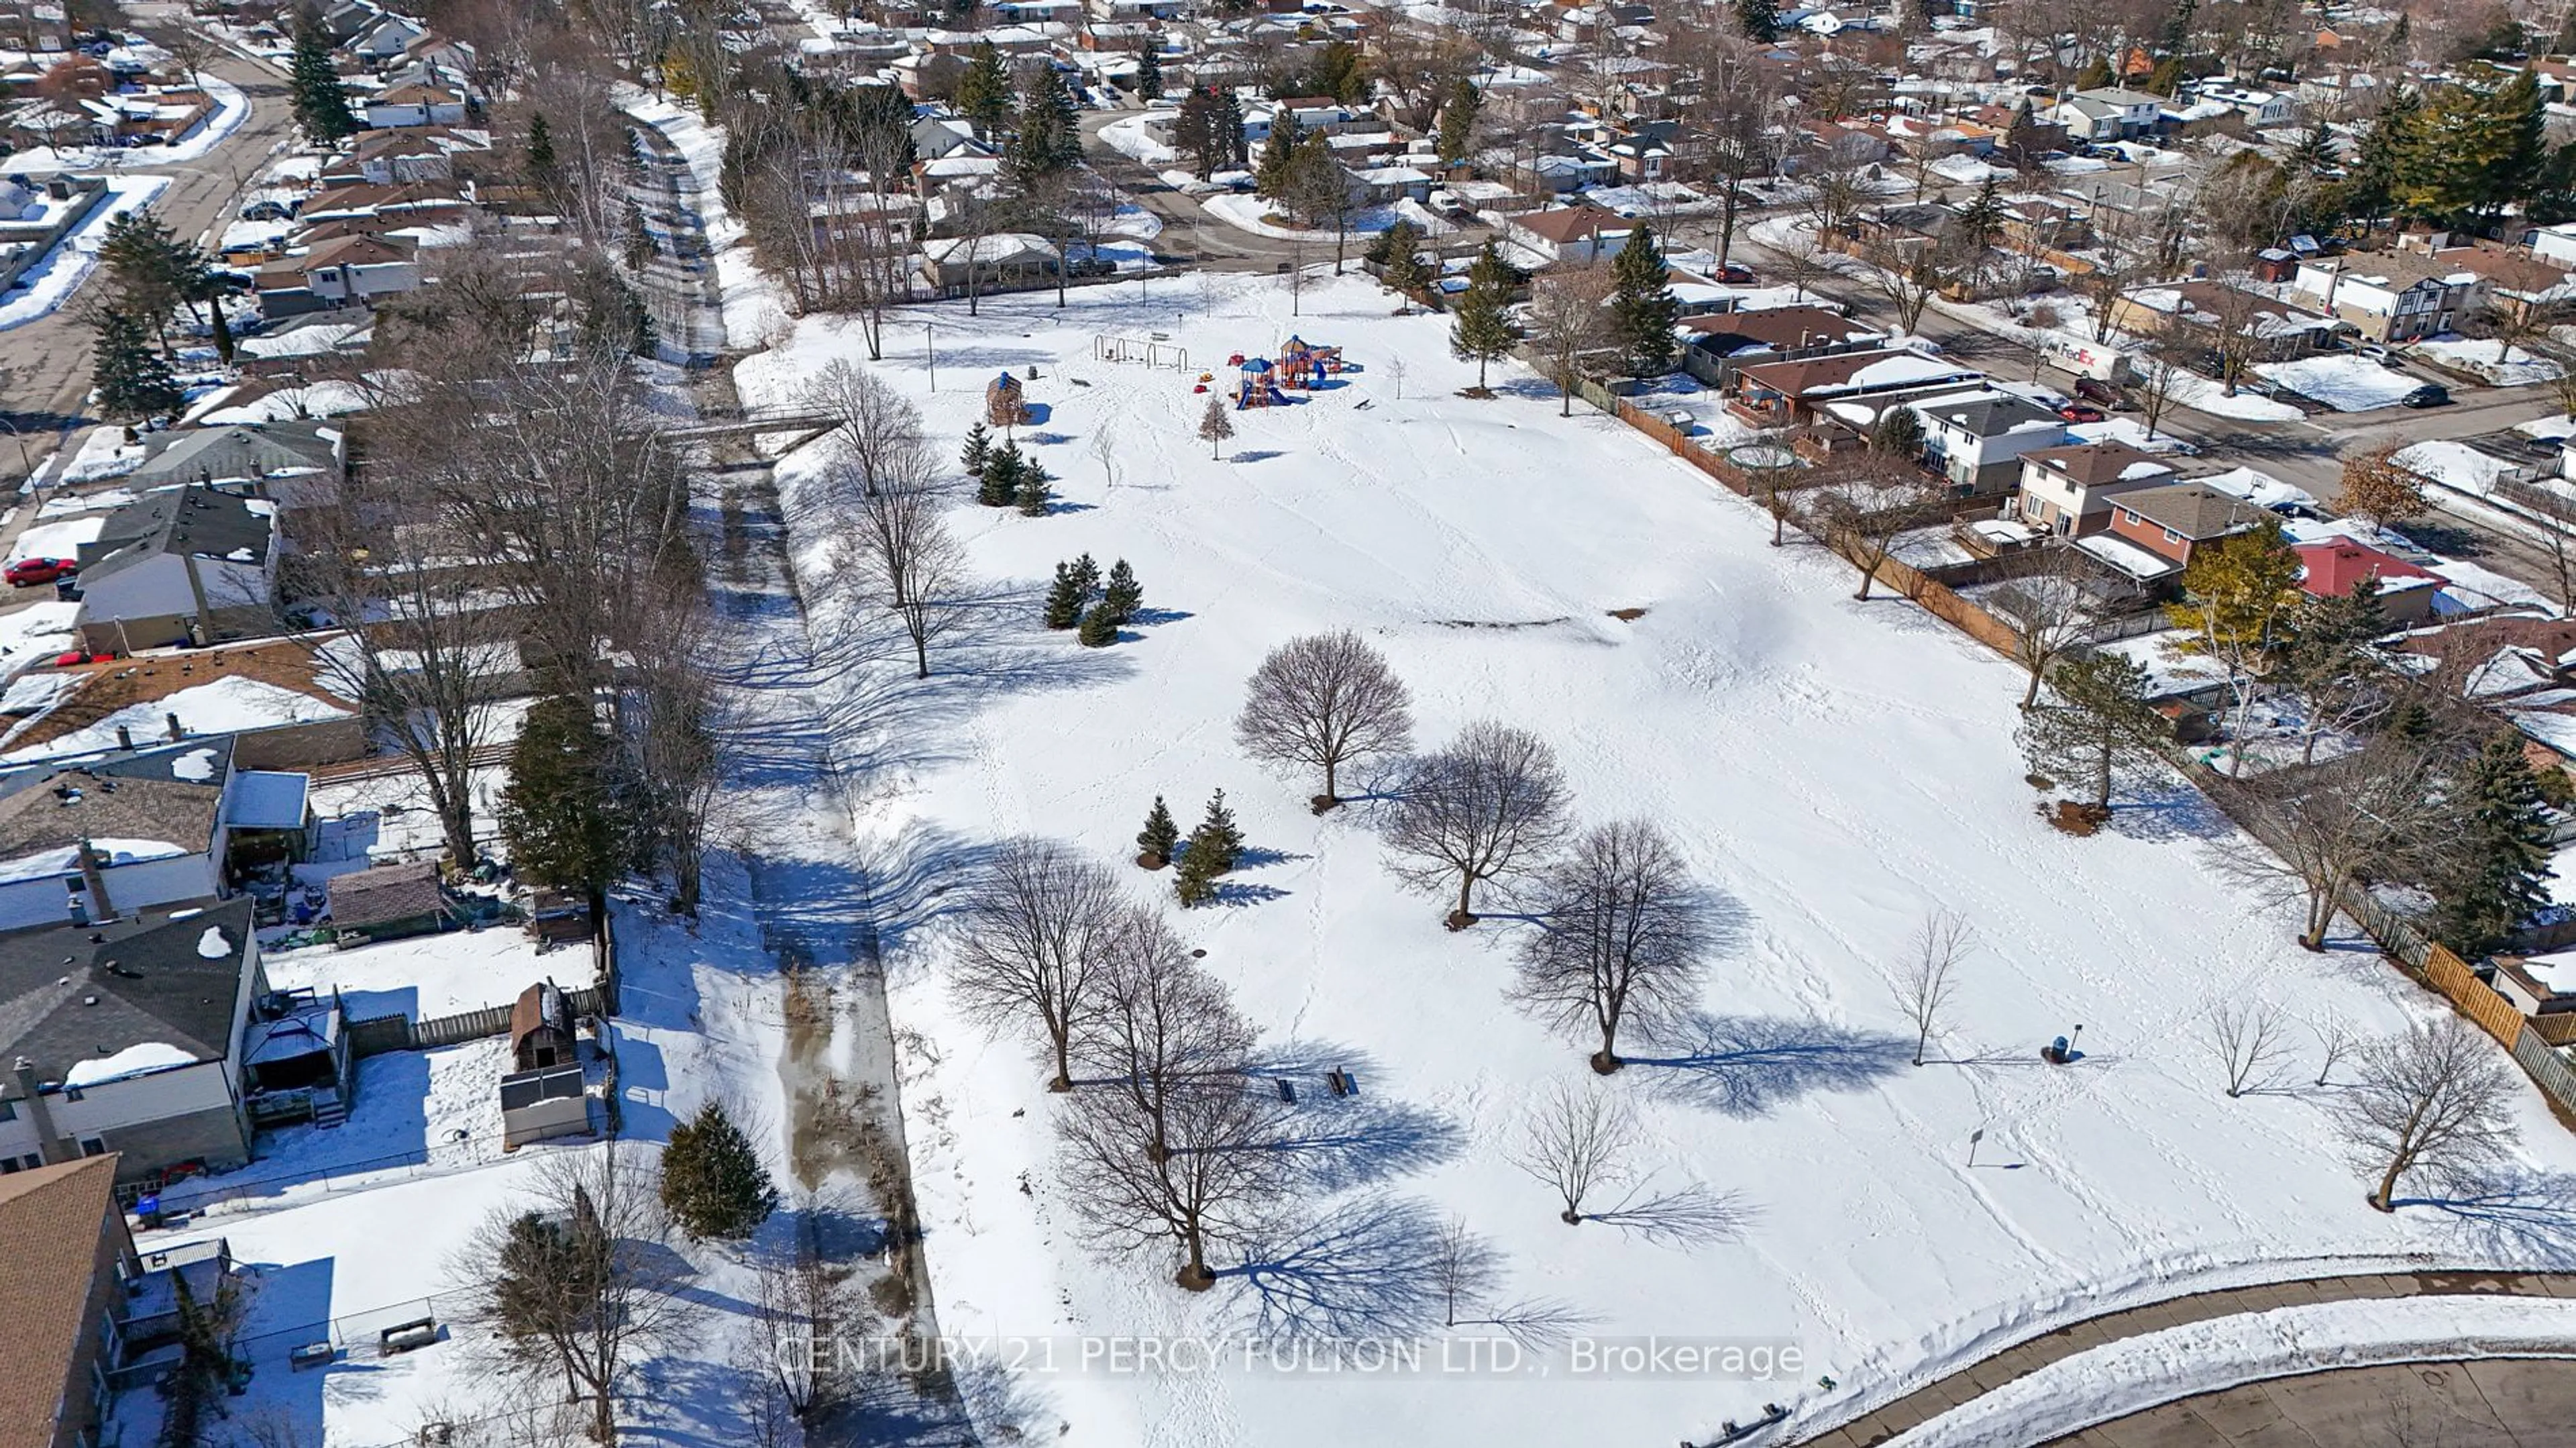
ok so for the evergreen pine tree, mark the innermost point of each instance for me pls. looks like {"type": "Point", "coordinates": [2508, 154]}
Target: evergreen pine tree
{"type": "Point", "coordinates": [1216, 832]}
{"type": "Point", "coordinates": [713, 1182]}
{"type": "Point", "coordinates": [1479, 329]}
{"type": "Point", "coordinates": [1149, 68]}
{"type": "Point", "coordinates": [999, 484]}
{"type": "Point", "coordinates": [541, 152]}
{"type": "Point", "coordinates": [978, 451]}
{"type": "Point", "coordinates": [1159, 838]}
{"type": "Point", "coordinates": [133, 382]}
{"type": "Point", "coordinates": [984, 90]}
{"type": "Point", "coordinates": [1193, 881]}
{"type": "Point", "coordinates": [1034, 493]}
{"type": "Point", "coordinates": [1098, 631]}
{"type": "Point", "coordinates": [1642, 308]}
{"type": "Point", "coordinates": [2166, 78]}
{"type": "Point", "coordinates": [1401, 266]}
{"type": "Point", "coordinates": [1238, 142]}
{"type": "Point", "coordinates": [2495, 875]}
{"type": "Point", "coordinates": [2095, 75]}
{"type": "Point", "coordinates": [1048, 138]}
{"type": "Point", "coordinates": [2095, 721]}
{"type": "Point", "coordinates": [313, 84]}
{"type": "Point", "coordinates": [561, 819]}
{"type": "Point", "coordinates": [151, 269]}
{"type": "Point", "coordinates": [1123, 595]}
{"type": "Point", "coordinates": [1759, 18]}
{"type": "Point", "coordinates": [1458, 121]}
{"type": "Point", "coordinates": [1065, 599]}
{"type": "Point", "coordinates": [1277, 171]}
{"type": "Point", "coordinates": [1898, 433]}
{"type": "Point", "coordinates": [1981, 221]}
{"type": "Point", "coordinates": [1087, 573]}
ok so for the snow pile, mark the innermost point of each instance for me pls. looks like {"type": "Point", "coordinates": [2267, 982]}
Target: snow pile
{"type": "Point", "coordinates": [103, 454]}
{"type": "Point", "coordinates": [231, 109]}
{"type": "Point", "coordinates": [56, 540]}
{"type": "Point", "coordinates": [2202, 394]}
{"type": "Point", "coordinates": [1862, 772]}
{"type": "Point", "coordinates": [197, 765]}
{"type": "Point", "coordinates": [1126, 136]}
{"type": "Point", "coordinates": [2344, 381]}
{"type": "Point", "coordinates": [135, 1060]}
{"type": "Point", "coordinates": [1251, 213]}
{"type": "Point", "coordinates": [223, 706]}
{"type": "Point", "coordinates": [2455, 465]}
{"type": "Point", "coordinates": [2517, 368]}
{"type": "Point", "coordinates": [42, 287]}
{"type": "Point", "coordinates": [212, 945]}
{"type": "Point", "coordinates": [2138, 1373]}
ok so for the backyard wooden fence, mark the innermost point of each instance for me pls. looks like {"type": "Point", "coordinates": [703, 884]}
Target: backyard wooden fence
{"type": "Point", "coordinates": [378, 1034]}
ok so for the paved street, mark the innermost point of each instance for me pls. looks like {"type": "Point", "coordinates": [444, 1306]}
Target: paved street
{"type": "Point", "coordinates": [2508, 1403]}
{"type": "Point", "coordinates": [44, 365]}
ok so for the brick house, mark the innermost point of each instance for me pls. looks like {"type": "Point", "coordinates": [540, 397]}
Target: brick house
{"type": "Point", "coordinates": [2173, 520]}
{"type": "Point", "coordinates": [65, 1260]}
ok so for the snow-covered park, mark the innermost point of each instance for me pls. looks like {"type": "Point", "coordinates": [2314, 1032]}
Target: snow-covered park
{"type": "Point", "coordinates": [1834, 771]}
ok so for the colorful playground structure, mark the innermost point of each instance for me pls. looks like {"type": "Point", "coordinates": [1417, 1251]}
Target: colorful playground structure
{"type": "Point", "coordinates": [1004, 404]}
{"type": "Point", "coordinates": [1260, 382]}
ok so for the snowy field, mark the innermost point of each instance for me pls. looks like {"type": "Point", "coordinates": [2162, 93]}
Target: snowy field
{"type": "Point", "coordinates": [429, 975]}
{"type": "Point", "coordinates": [1833, 770]}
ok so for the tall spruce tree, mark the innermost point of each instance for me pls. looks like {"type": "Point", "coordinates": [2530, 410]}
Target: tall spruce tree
{"type": "Point", "coordinates": [984, 90]}
{"type": "Point", "coordinates": [2495, 874]}
{"type": "Point", "coordinates": [543, 170]}
{"type": "Point", "coordinates": [1122, 595]}
{"type": "Point", "coordinates": [1479, 329]}
{"type": "Point", "coordinates": [1065, 599]}
{"type": "Point", "coordinates": [1217, 836]}
{"type": "Point", "coordinates": [132, 380]}
{"type": "Point", "coordinates": [998, 485]}
{"type": "Point", "coordinates": [1230, 126]}
{"type": "Point", "coordinates": [1036, 490]}
{"type": "Point", "coordinates": [1149, 68]}
{"type": "Point", "coordinates": [563, 819]}
{"type": "Point", "coordinates": [1458, 121]}
{"type": "Point", "coordinates": [1087, 573]}
{"type": "Point", "coordinates": [977, 451]}
{"type": "Point", "coordinates": [1642, 307]}
{"type": "Point", "coordinates": [313, 84]}
{"type": "Point", "coordinates": [1760, 19]}
{"type": "Point", "coordinates": [2094, 723]}
{"type": "Point", "coordinates": [1048, 139]}
{"type": "Point", "coordinates": [1277, 172]}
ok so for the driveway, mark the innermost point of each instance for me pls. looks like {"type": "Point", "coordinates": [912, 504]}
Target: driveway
{"type": "Point", "coordinates": [44, 379]}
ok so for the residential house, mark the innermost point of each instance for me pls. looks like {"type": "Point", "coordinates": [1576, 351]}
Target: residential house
{"type": "Point", "coordinates": [1977, 439]}
{"type": "Point", "coordinates": [2261, 109]}
{"type": "Point", "coordinates": [2278, 330]}
{"type": "Point", "coordinates": [2390, 296]}
{"type": "Point", "coordinates": [65, 1262]}
{"type": "Point", "coordinates": [181, 565]}
{"type": "Point", "coordinates": [2172, 520]}
{"type": "Point", "coordinates": [127, 1036]}
{"type": "Point", "coordinates": [2068, 490]}
{"type": "Point", "coordinates": [386, 38]}
{"type": "Point", "coordinates": [1716, 345]}
{"type": "Point", "coordinates": [416, 104]}
{"type": "Point", "coordinates": [404, 157]}
{"type": "Point", "coordinates": [246, 453]}
{"type": "Point", "coordinates": [88, 836]}
{"type": "Point", "coordinates": [354, 268]}
{"type": "Point", "coordinates": [1573, 234]}
{"type": "Point", "coordinates": [2519, 282]}
{"type": "Point", "coordinates": [2333, 567]}
{"type": "Point", "coordinates": [2107, 113]}
{"type": "Point", "coordinates": [1780, 394]}
{"type": "Point", "coordinates": [999, 262]}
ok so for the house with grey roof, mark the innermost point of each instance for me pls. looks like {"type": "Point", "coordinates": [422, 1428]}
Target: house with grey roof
{"type": "Point", "coordinates": [94, 836]}
{"type": "Point", "coordinates": [1976, 439]}
{"type": "Point", "coordinates": [189, 565]}
{"type": "Point", "coordinates": [244, 453]}
{"type": "Point", "coordinates": [2173, 520]}
{"type": "Point", "coordinates": [127, 1036]}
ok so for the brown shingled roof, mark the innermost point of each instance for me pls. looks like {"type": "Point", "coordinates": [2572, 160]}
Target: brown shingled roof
{"type": "Point", "coordinates": [49, 1224]}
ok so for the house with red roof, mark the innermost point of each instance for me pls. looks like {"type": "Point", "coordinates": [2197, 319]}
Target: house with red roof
{"type": "Point", "coordinates": [2336, 564]}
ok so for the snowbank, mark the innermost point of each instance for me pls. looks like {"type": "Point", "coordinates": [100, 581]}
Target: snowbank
{"type": "Point", "coordinates": [2138, 1373]}
{"type": "Point", "coordinates": [231, 109]}
{"type": "Point", "coordinates": [2343, 381]}
{"type": "Point", "coordinates": [2202, 394]}
{"type": "Point", "coordinates": [1249, 213]}
{"type": "Point", "coordinates": [2516, 368]}
{"type": "Point", "coordinates": [45, 286]}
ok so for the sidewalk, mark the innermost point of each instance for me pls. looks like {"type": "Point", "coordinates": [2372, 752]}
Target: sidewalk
{"type": "Point", "coordinates": [1938, 1397]}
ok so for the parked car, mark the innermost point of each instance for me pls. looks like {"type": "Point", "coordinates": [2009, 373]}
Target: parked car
{"type": "Point", "coordinates": [29, 572]}
{"type": "Point", "coordinates": [72, 658]}
{"type": "Point", "coordinates": [2100, 393]}
{"type": "Point", "coordinates": [2431, 394]}
{"type": "Point", "coordinates": [2080, 412]}
{"type": "Point", "coordinates": [1736, 273]}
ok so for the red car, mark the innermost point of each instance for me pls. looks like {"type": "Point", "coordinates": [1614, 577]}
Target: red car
{"type": "Point", "coordinates": [72, 658]}
{"type": "Point", "coordinates": [28, 572]}
{"type": "Point", "coordinates": [1736, 273]}
{"type": "Point", "coordinates": [2078, 412]}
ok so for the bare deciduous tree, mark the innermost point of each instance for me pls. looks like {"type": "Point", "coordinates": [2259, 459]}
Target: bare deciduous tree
{"type": "Point", "coordinates": [2432, 1102]}
{"type": "Point", "coordinates": [1930, 974]}
{"type": "Point", "coordinates": [1321, 702]}
{"type": "Point", "coordinates": [905, 557]}
{"type": "Point", "coordinates": [1623, 937]}
{"type": "Point", "coordinates": [878, 436]}
{"type": "Point", "coordinates": [1868, 499]}
{"type": "Point", "coordinates": [2050, 614]}
{"type": "Point", "coordinates": [580, 1281]}
{"type": "Point", "coordinates": [803, 1306]}
{"type": "Point", "coordinates": [1576, 1141]}
{"type": "Point", "coordinates": [1037, 924]}
{"type": "Point", "coordinates": [1489, 805]}
{"type": "Point", "coordinates": [2335, 1041]}
{"type": "Point", "coordinates": [1217, 1175]}
{"type": "Point", "coordinates": [1161, 1027]}
{"type": "Point", "coordinates": [2248, 1040]}
{"type": "Point", "coordinates": [2330, 826]}
{"type": "Point", "coordinates": [1568, 320]}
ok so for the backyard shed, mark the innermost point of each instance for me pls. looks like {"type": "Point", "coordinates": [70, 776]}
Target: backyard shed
{"type": "Point", "coordinates": [389, 901]}
{"type": "Point", "coordinates": [541, 1028]}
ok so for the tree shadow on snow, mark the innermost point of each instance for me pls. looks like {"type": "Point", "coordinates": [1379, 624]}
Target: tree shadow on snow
{"type": "Point", "coordinates": [1365, 1268]}
{"type": "Point", "coordinates": [1254, 455]}
{"type": "Point", "coordinates": [1690, 1216]}
{"type": "Point", "coordinates": [1748, 1065]}
{"type": "Point", "coordinates": [2518, 1215]}
{"type": "Point", "coordinates": [2169, 810]}
{"type": "Point", "coordinates": [1334, 1143]}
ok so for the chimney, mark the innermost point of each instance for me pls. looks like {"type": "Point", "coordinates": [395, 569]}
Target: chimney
{"type": "Point", "coordinates": [175, 731]}
{"type": "Point", "coordinates": [124, 737]}
{"type": "Point", "coordinates": [49, 1142]}
{"type": "Point", "coordinates": [101, 908]}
